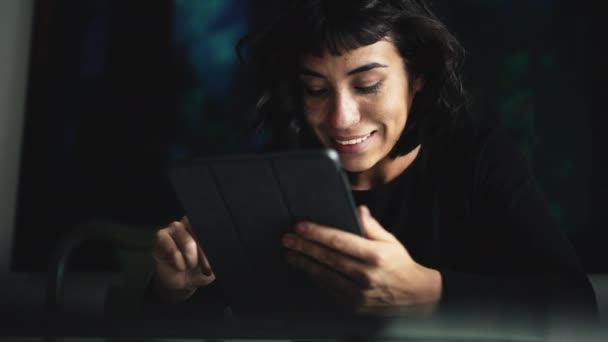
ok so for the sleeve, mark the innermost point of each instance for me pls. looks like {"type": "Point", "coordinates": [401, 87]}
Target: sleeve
{"type": "Point", "coordinates": [206, 303]}
{"type": "Point", "coordinates": [527, 261]}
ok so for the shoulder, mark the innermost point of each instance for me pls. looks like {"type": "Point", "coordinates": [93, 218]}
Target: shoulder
{"type": "Point", "coordinates": [480, 154]}
{"type": "Point", "coordinates": [476, 138]}
{"type": "Point", "coordinates": [480, 142]}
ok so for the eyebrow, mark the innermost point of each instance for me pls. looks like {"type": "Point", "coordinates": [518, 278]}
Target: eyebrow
{"type": "Point", "coordinates": [358, 70]}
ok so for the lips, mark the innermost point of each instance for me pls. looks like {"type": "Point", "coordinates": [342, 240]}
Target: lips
{"type": "Point", "coordinates": [352, 140]}
{"type": "Point", "coordinates": [352, 143]}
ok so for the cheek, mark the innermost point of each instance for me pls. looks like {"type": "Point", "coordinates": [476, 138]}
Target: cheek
{"type": "Point", "coordinates": [394, 118]}
{"type": "Point", "coordinates": [313, 113]}
{"type": "Point", "coordinates": [397, 104]}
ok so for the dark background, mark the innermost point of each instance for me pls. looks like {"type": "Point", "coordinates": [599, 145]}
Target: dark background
{"type": "Point", "coordinates": [119, 89]}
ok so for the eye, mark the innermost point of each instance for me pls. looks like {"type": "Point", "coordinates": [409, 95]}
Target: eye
{"type": "Point", "coordinates": [369, 89]}
{"type": "Point", "coordinates": [314, 91]}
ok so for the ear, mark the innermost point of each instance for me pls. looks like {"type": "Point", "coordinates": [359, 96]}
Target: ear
{"type": "Point", "coordinates": [418, 84]}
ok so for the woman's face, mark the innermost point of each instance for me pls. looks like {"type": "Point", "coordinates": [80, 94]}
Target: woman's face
{"type": "Point", "coordinates": [358, 102]}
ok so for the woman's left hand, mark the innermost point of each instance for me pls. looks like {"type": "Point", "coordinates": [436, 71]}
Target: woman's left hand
{"type": "Point", "coordinates": [367, 273]}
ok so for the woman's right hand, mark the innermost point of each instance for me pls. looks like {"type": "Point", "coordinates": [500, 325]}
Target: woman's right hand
{"type": "Point", "coordinates": [180, 264]}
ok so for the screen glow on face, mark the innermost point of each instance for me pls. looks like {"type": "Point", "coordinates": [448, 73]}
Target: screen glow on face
{"type": "Point", "coordinates": [358, 102]}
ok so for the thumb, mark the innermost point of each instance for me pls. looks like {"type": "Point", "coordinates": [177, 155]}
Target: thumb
{"type": "Point", "coordinates": [371, 227]}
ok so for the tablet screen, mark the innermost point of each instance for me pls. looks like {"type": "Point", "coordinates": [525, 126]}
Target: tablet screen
{"type": "Point", "coordinates": [241, 206]}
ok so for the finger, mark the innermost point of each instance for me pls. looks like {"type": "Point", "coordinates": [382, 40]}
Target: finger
{"type": "Point", "coordinates": [338, 240]}
{"type": "Point", "coordinates": [185, 242]}
{"type": "Point", "coordinates": [323, 276]}
{"type": "Point", "coordinates": [203, 261]}
{"type": "Point", "coordinates": [372, 228]}
{"type": "Point", "coordinates": [346, 265]}
{"type": "Point", "coordinates": [186, 222]}
{"type": "Point", "coordinates": [167, 251]}
{"type": "Point", "coordinates": [198, 279]}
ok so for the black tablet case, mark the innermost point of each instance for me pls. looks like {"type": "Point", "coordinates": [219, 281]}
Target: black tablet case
{"type": "Point", "coordinates": [241, 206]}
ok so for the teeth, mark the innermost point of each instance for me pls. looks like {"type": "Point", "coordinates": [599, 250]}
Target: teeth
{"type": "Point", "coordinates": [353, 141]}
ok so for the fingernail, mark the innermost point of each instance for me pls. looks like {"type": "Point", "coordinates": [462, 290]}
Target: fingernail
{"type": "Point", "coordinates": [288, 241]}
{"type": "Point", "coordinates": [301, 227]}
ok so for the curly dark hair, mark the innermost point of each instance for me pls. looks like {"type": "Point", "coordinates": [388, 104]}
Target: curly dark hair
{"type": "Point", "coordinates": [334, 26]}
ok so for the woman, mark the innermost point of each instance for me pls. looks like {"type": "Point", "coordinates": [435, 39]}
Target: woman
{"type": "Point", "coordinates": [452, 214]}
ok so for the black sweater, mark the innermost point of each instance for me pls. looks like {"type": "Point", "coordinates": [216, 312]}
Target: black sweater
{"type": "Point", "coordinates": [470, 207]}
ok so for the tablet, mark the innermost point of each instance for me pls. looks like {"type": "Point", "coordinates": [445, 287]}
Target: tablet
{"type": "Point", "coordinates": [240, 207]}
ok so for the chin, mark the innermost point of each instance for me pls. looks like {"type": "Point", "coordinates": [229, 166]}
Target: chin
{"type": "Point", "coordinates": [355, 164]}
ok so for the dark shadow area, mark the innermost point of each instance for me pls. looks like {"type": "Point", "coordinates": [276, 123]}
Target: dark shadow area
{"type": "Point", "coordinates": [118, 90]}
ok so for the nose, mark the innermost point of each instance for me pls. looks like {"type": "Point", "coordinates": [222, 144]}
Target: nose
{"type": "Point", "coordinates": [344, 112]}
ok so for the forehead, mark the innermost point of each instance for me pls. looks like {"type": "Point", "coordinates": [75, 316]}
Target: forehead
{"type": "Point", "coordinates": [383, 51]}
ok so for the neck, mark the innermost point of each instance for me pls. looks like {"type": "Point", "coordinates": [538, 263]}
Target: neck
{"type": "Point", "coordinates": [383, 172]}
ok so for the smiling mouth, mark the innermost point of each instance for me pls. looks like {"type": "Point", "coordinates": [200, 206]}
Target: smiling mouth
{"type": "Point", "coordinates": [353, 141]}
